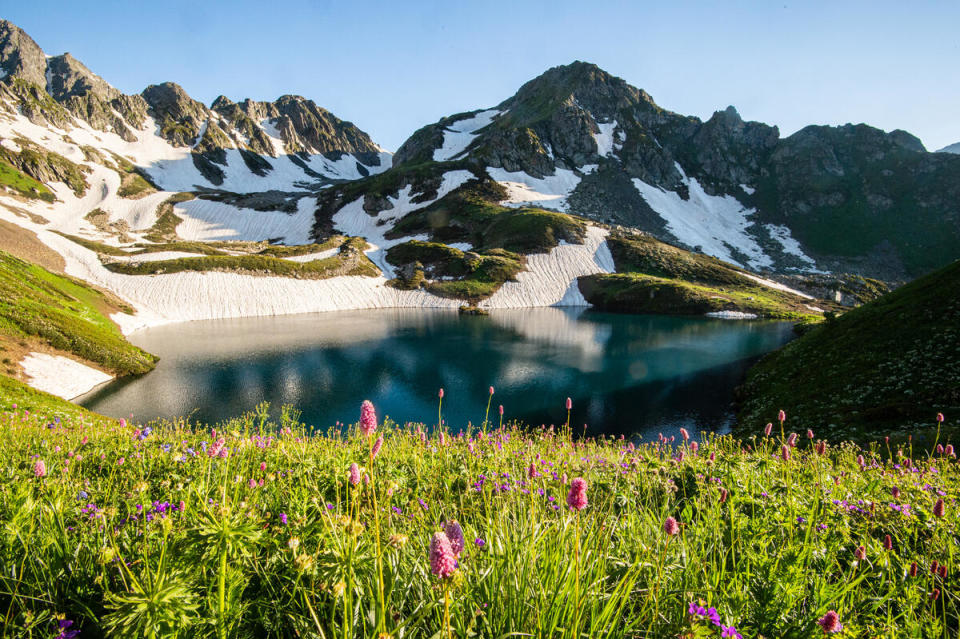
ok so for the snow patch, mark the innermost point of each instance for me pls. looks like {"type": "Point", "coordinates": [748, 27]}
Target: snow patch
{"type": "Point", "coordinates": [458, 136]}
{"type": "Point", "coordinates": [550, 279]}
{"type": "Point", "coordinates": [749, 190]}
{"type": "Point", "coordinates": [205, 220]}
{"type": "Point", "coordinates": [61, 376]}
{"type": "Point", "coordinates": [776, 285]}
{"type": "Point", "coordinates": [550, 191]}
{"type": "Point", "coordinates": [605, 138]}
{"type": "Point", "coordinates": [717, 224]}
{"type": "Point", "coordinates": [731, 315]}
{"type": "Point", "coordinates": [782, 235]}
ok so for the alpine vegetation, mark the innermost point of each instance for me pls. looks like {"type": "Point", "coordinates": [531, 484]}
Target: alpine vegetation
{"type": "Point", "coordinates": [261, 527]}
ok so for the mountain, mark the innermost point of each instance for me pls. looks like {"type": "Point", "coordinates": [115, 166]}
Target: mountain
{"type": "Point", "coordinates": [953, 148]}
{"type": "Point", "coordinates": [576, 139]}
{"type": "Point", "coordinates": [891, 363]}
{"type": "Point", "coordinates": [290, 144]}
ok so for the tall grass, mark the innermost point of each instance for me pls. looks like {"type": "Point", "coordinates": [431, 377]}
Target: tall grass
{"type": "Point", "coordinates": [254, 530]}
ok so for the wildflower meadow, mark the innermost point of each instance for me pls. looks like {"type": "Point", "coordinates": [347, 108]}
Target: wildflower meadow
{"type": "Point", "coordinates": [261, 527]}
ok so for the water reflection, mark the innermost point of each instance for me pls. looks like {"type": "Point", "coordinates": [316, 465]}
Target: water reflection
{"type": "Point", "coordinates": [626, 374]}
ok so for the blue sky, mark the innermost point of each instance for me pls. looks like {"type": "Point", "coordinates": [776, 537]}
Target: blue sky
{"type": "Point", "coordinates": [391, 67]}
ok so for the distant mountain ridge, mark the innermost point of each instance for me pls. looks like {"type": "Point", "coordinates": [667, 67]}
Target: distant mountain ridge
{"type": "Point", "coordinates": [952, 148]}
{"type": "Point", "coordinates": [60, 90]}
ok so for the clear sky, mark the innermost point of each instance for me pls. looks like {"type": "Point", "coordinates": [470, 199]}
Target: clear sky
{"type": "Point", "coordinates": [391, 67]}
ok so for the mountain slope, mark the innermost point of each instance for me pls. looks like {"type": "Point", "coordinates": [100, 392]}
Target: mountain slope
{"type": "Point", "coordinates": [952, 148]}
{"type": "Point", "coordinates": [891, 363]}
{"type": "Point", "coordinates": [850, 198]}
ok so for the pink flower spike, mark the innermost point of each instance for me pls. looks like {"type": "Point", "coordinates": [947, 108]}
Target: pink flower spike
{"type": "Point", "coordinates": [685, 434]}
{"type": "Point", "coordinates": [441, 393]}
{"type": "Point", "coordinates": [368, 418]}
{"type": "Point", "coordinates": [577, 497]}
{"type": "Point", "coordinates": [670, 526]}
{"type": "Point", "coordinates": [569, 403]}
{"type": "Point", "coordinates": [39, 468]}
{"type": "Point", "coordinates": [491, 390]}
{"type": "Point", "coordinates": [377, 445]}
{"type": "Point", "coordinates": [443, 562]}
{"type": "Point", "coordinates": [939, 418]}
{"type": "Point", "coordinates": [454, 534]}
{"type": "Point", "coordinates": [830, 622]}
{"type": "Point", "coordinates": [767, 429]}
{"type": "Point", "coordinates": [354, 475]}
{"type": "Point", "coordinates": [501, 410]}
{"type": "Point", "coordinates": [781, 417]}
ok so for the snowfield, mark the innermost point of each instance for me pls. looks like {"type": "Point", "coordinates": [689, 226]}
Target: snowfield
{"type": "Point", "coordinates": [719, 225]}
{"type": "Point", "coordinates": [61, 376]}
{"type": "Point", "coordinates": [549, 192]}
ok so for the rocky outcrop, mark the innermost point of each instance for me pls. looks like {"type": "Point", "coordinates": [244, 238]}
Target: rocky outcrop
{"type": "Point", "coordinates": [307, 128]}
{"type": "Point", "coordinates": [179, 117]}
{"type": "Point", "coordinates": [20, 56]}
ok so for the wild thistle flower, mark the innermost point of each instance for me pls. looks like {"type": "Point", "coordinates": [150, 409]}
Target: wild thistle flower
{"type": "Point", "coordinates": [670, 526]}
{"type": "Point", "coordinates": [443, 563]}
{"type": "Point", "coordinates": [368, 418]}
{"type": "Point", "coordinates": [354, 475]}
{"type": "Point", "coordinates": [39, 468]}
{"type": "Point", "coordinates": [830, 622]}
{"type": "Point", "coordinates": [939, 508]}
{"type": "Point", "coordinates": [577, 497]}
{"type": "Point", "coordinates": [377, 445]}
{"type": "Point", "coordinates": [454, 534]}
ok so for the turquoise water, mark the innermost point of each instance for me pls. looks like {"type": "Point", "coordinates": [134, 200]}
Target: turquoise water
{"type": "Point", "coordinates": [626, 374]}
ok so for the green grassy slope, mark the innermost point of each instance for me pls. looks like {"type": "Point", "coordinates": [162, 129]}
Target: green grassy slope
{"type": "Point", "coordinates": [653, 277]}
{"type": "Point", "coordinates": [892, 363]}
{"type": "Point", "coordinates": [39, 307]}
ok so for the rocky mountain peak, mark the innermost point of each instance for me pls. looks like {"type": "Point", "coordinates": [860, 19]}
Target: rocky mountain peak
{"type": "Point", "coordinates": [20, 56]}
{"type": "Point", "coordinates": [69, 77]}
{"type": "Point", "coordinates": [179, 116]}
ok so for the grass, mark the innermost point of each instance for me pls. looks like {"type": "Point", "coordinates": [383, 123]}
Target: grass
{"type": "Point", "coordinates": [347, 262]}
{"type": "Point", "coordinates": [886, 365]}
{"type": "Point", "coordinates": [64, 314]}
{"type": "Point", "coordinates": [42, 165]}
{"type": "Point", "coordinates": [638, 293]}
{"type": "Point", "coordinates": [23, 184]}
{"type": "Point", "coordinates": [471, 213]}
{"type": "Point", "coordinates": [128, 531]}
{"type": "Point", "coordinates": [478, 275]}
{"type": "Point", "coordinates": [165, 228]}
{"type": "Point", "coordinates": [640, 253]}
{"type": "Point", "coordinates": [134, 182]}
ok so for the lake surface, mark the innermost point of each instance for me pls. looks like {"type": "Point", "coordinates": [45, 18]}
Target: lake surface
{"type": "Point", "coordinates": [629, 374]}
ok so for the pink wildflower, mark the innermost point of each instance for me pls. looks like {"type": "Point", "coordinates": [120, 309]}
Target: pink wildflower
{"type": "Point", "coordinates": [888, 542]}
{"type": "Point", "coordinates": [939, 418]}
{"type": "Point", "coordinates": [781, 417]}
{"type": "Point", "coordinates": [670, 526]}
{"type": "Point", "coordinates": [785, 452]}
{"type": "Point", "coordinates": [39, 468]}
{"type": "Point", "coordinates": [821, 447]}
{"type": "Point", "coordinates": [939, 508]}
{"type": "Point", "coordinates": [368, 418]}
{"type": "Point", "coordinates": [577, 497]}
{"type": "Point", "coordinates": [354, 475]}
{"type": "Point", "coordinates": [830, 622]}
{"type": "Point", "coordinates": [569, 403]}
{"type": "Point", "coordinates": [491, 390]}
{"type": "Point", "coordinates": [123, 423]}
{"type": "Point", "coordinates": [263, 466]}
{"type": "Point", "coordinates": [441, 393]}
{"type": "Point", "coordinates": [809, 434]}
{"type": "Point", "coordinates": [767, 429]}
{"type": "Point", "coordinates": [792, 440]}
{"type": "Point", "coordinates": [860, 553]}
{"type": "Point", "coordinates": [501, 410]}
{"type": "Point", "coordinates": [443, 562]}
{"type": "Point", "coordinates": [454, 534]}
{"type": "Point", "coordinates": [685, 434]}
{"type": "Point", "coordinates": [377, 445]}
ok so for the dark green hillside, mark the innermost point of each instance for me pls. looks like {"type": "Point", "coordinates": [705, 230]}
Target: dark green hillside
{"type": "Point", "coordinates": [892, 363]}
